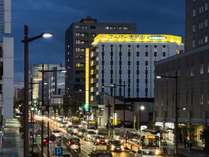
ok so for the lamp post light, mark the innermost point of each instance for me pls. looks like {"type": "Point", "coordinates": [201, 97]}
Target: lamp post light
{"type": "Point", "coordinates": [175, 77]}
{"type": "Point", "coordinates": [26, 42]}
{"type": "Point", "coordinates": [141, 109]}
{"type": "Point", "coordinates": [48, 110]}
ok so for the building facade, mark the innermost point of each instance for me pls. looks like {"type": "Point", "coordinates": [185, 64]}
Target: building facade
{"type": "Point", "coordinates": [197, 18]}
{"type": "Point", "coordinates": [78, 37]}
{"type": "Point", "coordinates": [7, 60]}
{"type": "Point", "coordinates": [122, 66]}
{"type": "Point", "coordinates": [54, 80]}
{"type": "Point", "coordinates": [188, 99]}
{"type": "Point", "coordinates": [128, 59]}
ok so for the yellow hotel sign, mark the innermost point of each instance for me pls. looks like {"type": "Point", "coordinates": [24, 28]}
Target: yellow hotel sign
{"type": "Point", "coordinates": [137, 38]}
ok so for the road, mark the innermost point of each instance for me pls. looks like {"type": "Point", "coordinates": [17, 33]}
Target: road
{"type": "Point", "coordinates": [86, 147]}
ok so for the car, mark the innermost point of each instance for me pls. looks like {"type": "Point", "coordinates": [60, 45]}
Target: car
{"type": "Point", "coordinates": [72, 142]}
{"type": "Point", "coordinates": [90, 135]}
{"type": "Point", "coordinates": [81, 132]}
{"type": "Point", "coordinates": [100, 154]}
{"type": "Point", "coordinates": [149, 153]}
{"type": "Point", "coordinates": [100, 140]}
{"type": "Point", "coordinates": [57, 133]}
{"type": "Point", "coordinates": [115, 145]}
{"type": "Point", "coordinates": [46, 141]}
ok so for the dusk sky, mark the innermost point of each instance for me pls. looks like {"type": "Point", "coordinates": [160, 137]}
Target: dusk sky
{"type": "Point", "coordinates": [150, 16]}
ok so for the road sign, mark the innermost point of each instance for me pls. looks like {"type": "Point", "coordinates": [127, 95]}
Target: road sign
{"type": "Point", "coordinates": [58, 151]}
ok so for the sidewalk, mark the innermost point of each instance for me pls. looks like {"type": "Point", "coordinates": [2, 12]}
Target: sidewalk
{"type": "Point", "coordinates": [182, 152]}
{"type": "Point", "coordinates": [11, 145]}
{"type": "Point", "coordinates": [195, 152]}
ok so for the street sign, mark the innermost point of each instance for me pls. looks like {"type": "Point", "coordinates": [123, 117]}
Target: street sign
{"type": "Point", "coordinates": [58, 151]}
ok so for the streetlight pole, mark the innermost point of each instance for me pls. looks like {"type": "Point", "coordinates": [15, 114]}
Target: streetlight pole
{"type": "Point", "coordinates": [176, 115]}
{"type": "Point", "coordinates": [42, 112]}
{"type": "Point", "coordinates": [26, 42]}
{"type": "Point", "coordinates": [26, 88]}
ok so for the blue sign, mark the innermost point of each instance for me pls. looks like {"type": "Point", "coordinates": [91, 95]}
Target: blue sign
{"type": "Point", "coordinates": [58, 151]}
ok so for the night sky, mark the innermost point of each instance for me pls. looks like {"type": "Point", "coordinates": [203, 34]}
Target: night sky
{"type": "Point", "coordinates": [150, 16]}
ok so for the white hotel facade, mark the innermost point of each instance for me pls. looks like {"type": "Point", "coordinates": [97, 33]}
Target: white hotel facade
{"type": "Point", "coordinates": [130, 59]}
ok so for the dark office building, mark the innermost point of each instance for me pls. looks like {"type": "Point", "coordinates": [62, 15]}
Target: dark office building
{"type": "Point", "coordinates": [189, 97]}
{"type": "Point", "coordinates": [197, 28]}
{"type": "Point", "coordinates": [78, 37]}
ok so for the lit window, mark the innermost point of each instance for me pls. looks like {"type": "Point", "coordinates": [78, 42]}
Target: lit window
{"type": "Point", "coordinates": [206, 39]}
{"type": "Point", "coordinates": [202, 69]}
{"type": "Point", "coordinates": [194, 12]}
{"type": "Point", "coordinates": [206, 6]}
{"type": "Point", "coordinates": [208, 67]}
{"type": "Point", "coordinates": [191, 72]}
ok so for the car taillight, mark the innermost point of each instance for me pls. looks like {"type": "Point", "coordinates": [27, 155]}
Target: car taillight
{"type": "Point", "coordinates": [69, 142]}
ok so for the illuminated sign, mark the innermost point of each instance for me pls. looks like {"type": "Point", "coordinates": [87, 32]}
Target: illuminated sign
{"type": "Point", "coordinates": [136, 38]}
{"type": "Point", "coordinates": [87, 79]}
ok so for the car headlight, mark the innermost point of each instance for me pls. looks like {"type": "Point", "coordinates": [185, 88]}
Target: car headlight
{"type": "Point", "coordinates": [88, 136]}
{"type": "Point", "coordinates": [98, 140]}
{"type": "Point", "coordinates": [106, 140]}
{"type": "Point", "coordinates": [157, 152]}
{"type": "Point", "coordinates": [112, 147]}
{"type": "Point", "coordinates": [122, 148]}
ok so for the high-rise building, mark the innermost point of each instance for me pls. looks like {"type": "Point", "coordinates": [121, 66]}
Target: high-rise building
{"type": "Point", "coordinates": [78, 37]}
{"type": "Point", "coordinates": [129, 59]}
{"type": "Point", "coordinates": [6, 61]}
{"type": "Point", "coordinates": [197, 25]}
{"type": "Point", "coordinates": [54, 79]}
{"type": "Point", "coordinates": [189, 95]}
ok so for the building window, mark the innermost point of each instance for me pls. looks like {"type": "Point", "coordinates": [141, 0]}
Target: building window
{"type": "Point", "coordinates": [206, 39]}
{"type": "Point", "coordinates": [137, 46]}
{"type": "Point", "coordinates": [202, 69]}
{"type": "Point", "coordinates": [164, 54]}
{"type": "Point", "coordinates": [146, 63]}
{"type": "Point", "coordinates": [155, 54]}
{"type": "Point", "coordinates": [193, 44]}
{"type": "Point", "coordinates": [191, 72]}
{"type": "Point", "coordinates": [129, 54]}
{"type": "Point", "coordinates": [137, 63]}
{"type": "Point", "coordinates": [208, 67]}
{"type": "Point", "coordinates": [194, 12]}
{"type": "Point", "coordinates": [137, 53]}
{"type": "Point", "coordinates": [146, 54]}
{"type": "Point", "coordinates": [206, 22]}
{"type": "Point", "coordinates": [129, 62]}
{"type": "Point", "coordinates": [193, 28]}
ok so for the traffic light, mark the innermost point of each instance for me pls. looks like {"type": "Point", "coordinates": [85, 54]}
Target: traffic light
{"type": "Point", "coordinates": [85, 107]}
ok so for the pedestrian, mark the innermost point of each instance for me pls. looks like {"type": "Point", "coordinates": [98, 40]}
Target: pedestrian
{"type": "Point", "coordinates": [185, 143]}
{"type": "Point", "coordinates": [190, 145]}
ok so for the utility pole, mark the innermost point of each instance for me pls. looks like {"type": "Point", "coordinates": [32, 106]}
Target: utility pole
{"type": "Point", "coordinates": [42, 112]}
{"type": "Point", "coordinates": [176, 115]}
{"type": "Point", "coordinates": [26, 89]}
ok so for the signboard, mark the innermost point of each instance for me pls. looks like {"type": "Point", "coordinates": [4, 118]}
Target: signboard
{"type": "Point", "coordinates": [58, 151]}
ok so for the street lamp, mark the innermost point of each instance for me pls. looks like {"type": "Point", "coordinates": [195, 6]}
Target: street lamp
{"type": "Point", "coordinates": [176, 107]}
{"type": "Point", "coordinates": [48, 110]}
{"type": "Point", "coordinates": [141, 109]}
{"type": "Point", "coordinates": [26, 42]}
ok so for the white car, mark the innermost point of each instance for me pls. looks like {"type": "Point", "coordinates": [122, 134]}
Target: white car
{"type": "Point", "coordinates": [57, 133]}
